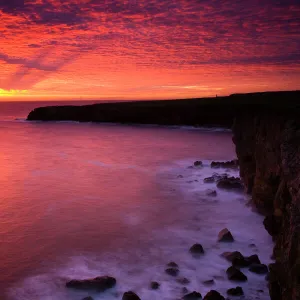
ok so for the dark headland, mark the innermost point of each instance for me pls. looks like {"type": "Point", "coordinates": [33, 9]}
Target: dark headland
{"type": "Point", "coordinates": [266, 133]}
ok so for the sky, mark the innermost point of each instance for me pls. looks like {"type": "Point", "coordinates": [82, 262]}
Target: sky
{"type": "Point", "coordinates": [147, 49]}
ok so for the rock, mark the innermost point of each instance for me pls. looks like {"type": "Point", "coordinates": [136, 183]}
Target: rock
{"type": "Point", "coordinates": [184, 290]}
{"type": "Point", "coordinates": [232, 164]}
{"type": "Point", "coordinates": [179, 176]}
{"type": "Point", "coordinates": [211, 193]}
{"type": "Point", "coordinates": [208, 282]}
{"type": "Point", "coordinates": [230, 183]}
{"type": "Point", "coordinates": [272, 224]}
{"type": "Point", "coordinates": [100, 284]}
{"type": "Point", "coordinates": [183, 280]}
{"type": "Point", "coordinates": [88, 298]}
{"type": "Point", "coordinates": [258, 269]}
{"type": "Point", "coordinates": [192, 296]}
{"type": "Point", "coordinates": [238, 260]}
{"type": "Point", "coordinates": [130, 296]}
{"type": "Point", "coordinates": [253, 259]}
{"type": "Point", "coordinates": [213, 295]}
{"type": "Point", "coordinates": [154, 285]}
{"type": "Point", "coordinates": [172, 264]}
{"type": "Point", "coordinates": [172, 271]}
{"type": "Point", "coordinates": [197, 249]}
{"type": "Point", "coordinates": [225, 236]}
{"type": "Point", "coordinates": [252, 245]}
{"type": "Point", "coordinates": [235, 274]}
{"type": "Point", "coordinates": [198, 163]}
{"type": "Point", "coordinates": [209, 179]}
{"type": "Point", "coordinates": [238, 291]}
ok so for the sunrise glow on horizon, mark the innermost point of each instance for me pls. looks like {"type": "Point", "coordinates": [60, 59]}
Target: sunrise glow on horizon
{"type": "Point", "coordinates": [138, 49]}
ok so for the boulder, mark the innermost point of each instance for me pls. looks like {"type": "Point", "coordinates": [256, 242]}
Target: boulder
{"type": "Point", "coordinates": [213, 295]}
{"type": "Point", "coordinates": [198, 163]}
{"type": "Point", "coordinates": [211, 193]}
{"type": "Point", "coordinates": [154, 285]}
{"type": "Point", "coordinates": [172, 264]}
{"type": "Point", "coordinates": [172, 271]}
{"type": "Point", "coordinates": [253, 259]}
{"type": "Point", "coordinates": [100, 284]}
{"type": "Point", "coordinates": [88, 298]}
{"type": "Point", "coordinates": [209, 179]}
{"type": "Point", "coordinates": [230, 183]}
{"type": "Point", "coordinates": [183, 280]}
{"type": "Point", "coordinates": [238, 291]}
{"type": "Point", "coordinates": [238, 260]}
{"type": "Point", "coordinates": [225, 236]}
{"type": "Point", "coordinates": [235, 274]}
{"type": "Point", "coordinates": [197, 249]}
{"type": "Point", "coordinates": [258, 269]}
{"type": "Point", "coordinates": [272, 224]}
{"type": "Point", "coordinates": [192, 296]}
{"type": "Point", "coordinates": [130, 296]}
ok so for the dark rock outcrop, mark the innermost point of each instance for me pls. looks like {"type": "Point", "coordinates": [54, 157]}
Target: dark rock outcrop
{"type": "Point", "coordinates": [235, 274]}
{"type": "Point", "coordinates": [238, 260]}
{"type": "Point", "coordinates": [258, 269]}
{"type": "Point", "coordinates": [230, 183]}
{"type": "Point", "coordinates": [232, 164]}
{"type": "Point", "coordinates": [225, 236]}
{"type": "Point", "coordinates": [238, 291]}
{"type": "Point", "coordinates": [154, 285]}
{"type": "Point", "coordinates": [130, 296]}
{"type": "Point", "coordinates": [197, 249]}
{"type": "Point", "coordinates": [198, 163]}
{"type": "Point", "coordinates": [268, 148]}
{"type": "Point", "coordinates": [172, 271]}
{"type": "Point", "coordinates": [213, 295]}
{"type": "Point", "coordinates": [192, 296]}
{"type": "Point", "coordinates": [100, 284]}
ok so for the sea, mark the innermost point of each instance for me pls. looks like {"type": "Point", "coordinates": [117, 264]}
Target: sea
{"type": "Point", "coordinates": [81, 200]}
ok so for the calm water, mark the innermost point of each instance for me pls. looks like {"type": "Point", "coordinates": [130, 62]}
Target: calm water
{"type": "Point", "coordinates": [84, 200]}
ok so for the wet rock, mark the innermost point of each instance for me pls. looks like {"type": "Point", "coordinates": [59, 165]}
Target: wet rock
{"type": "Point", "coordinates": [196, 249]}
{"type": "Point", "coordinates": [208, 282]}
{"type": "Point", "coordinates": [238, 260]}
{"type": "Point", "coordinates": [235, 274]}
{"type": "Point", "coordinates": [184, 290]}
{"type": "Point", "coordinates": [272, 224]}
{"type": "Point", "coordinates": [88, 298]}
{"type": "Point", "coordinates": [252, 245]}
{"type": "Point", "coordinates": [179, 176]}
{"type": "Point", "coordinates": [213, 295]}
{"type": "Point", "coordinates": [100, 284]}
{"type": "Point", "coordinates": [230, 183]}
{"type": "Point", "coordinates": [209, 179]}
{"type": "Point", "coordinates": [211, 193]}
{"type": "Point", "coordinates": [238, 291]}
{"type": "Point", "coordinates": [225, 236]}
{"type": "Point", "coordinates": [130, 296]}
{"type": "Point", "coordinates": [198, 163]}
{"type": "Point", "coordinates": [172, 271]}
{"type": "Point", "coordinates": [258, 269]}
{"type": "Point", "coordinates": [183, 280]}
{"type": "Point", "coordinates": [172, 264]}
{"type": "Point", "coordinates": [253, 259]}
{"type": "Point", "coordinates": [192, 296]}
{"type": "Point", "coordinates": [231, 164]}
{"type": "Point", "coordinates": [154, 285]}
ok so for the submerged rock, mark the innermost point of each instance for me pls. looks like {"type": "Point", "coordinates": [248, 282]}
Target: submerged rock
{"type": "Point", "coordinates": [197, 249]}
{"type": "Point", "coordinates": [172, 264]}
{"type": "Point", "coordinates": [192, 296]}
{"type": "Point", "coordinates": [88, 298]}
{"type": "Point", "coordinates": [235, 274]}
{"type": "Point", "coordinates": [208, 282]}
{"type": "Point", "coordinates": [209, 179]}
{"type": "Point", "coordinates": [238, 291]}
{"type": "Point", "coordinates": [183, 280]}
{"type": "Point", "coordinates": [225, 236]}
{"type": "Point", "coordinates": [130, 296]}
{"type": "Point", "coordinates": [100, 284]}
{"type": "Point", "coordinates": [154, 285]}
{"type": "Point", "coordinates": [211, 193]}
{"type": "Point", "coordinates": [213, 295]}
{"type": "Point", "coordinates": [198, 163]}
{"type": "Point", "coordinates": [172, 271]}
{"type": "Point", "coordinates": [258, 269]}
{"type": "Point", "coordinates": [234, 164]}
{"type": "Point", "coordinates": [230, 183]}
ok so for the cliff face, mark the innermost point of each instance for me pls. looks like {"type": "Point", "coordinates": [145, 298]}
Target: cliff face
{"type": "Point", "coordinates": [268, 148]}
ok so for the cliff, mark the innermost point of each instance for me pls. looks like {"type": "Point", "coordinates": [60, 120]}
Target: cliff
{"type": "Point", "coordinates": [268, 149]}
{"type": "Point", "coordinates": [218, 111]}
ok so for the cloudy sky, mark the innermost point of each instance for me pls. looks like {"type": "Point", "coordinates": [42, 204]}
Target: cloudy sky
{"type": "Point", "coordinates": [147, 49]}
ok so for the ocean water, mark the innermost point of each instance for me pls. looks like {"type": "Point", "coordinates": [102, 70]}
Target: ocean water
{"type": "Point", "coordinates": [85, 200]}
